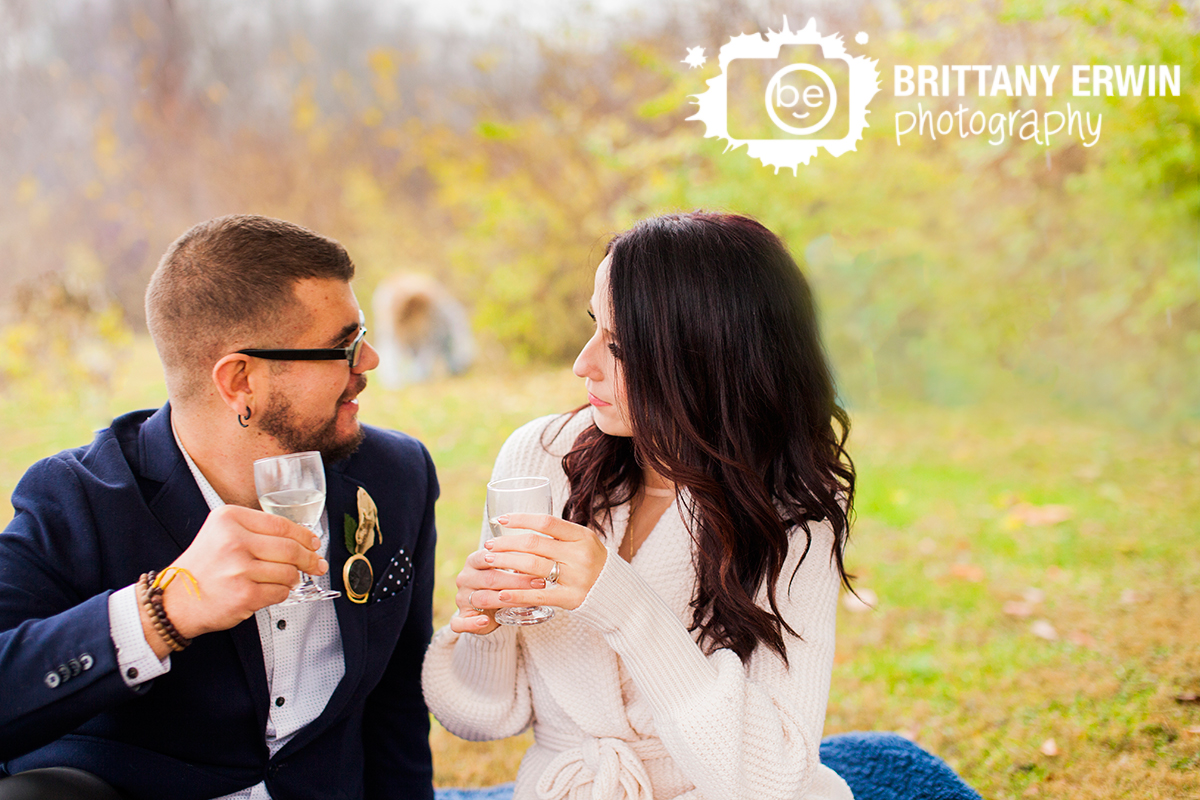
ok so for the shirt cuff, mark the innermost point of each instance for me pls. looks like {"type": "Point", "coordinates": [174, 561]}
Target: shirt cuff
{"type": "Point", "coordinates": [135, 658]}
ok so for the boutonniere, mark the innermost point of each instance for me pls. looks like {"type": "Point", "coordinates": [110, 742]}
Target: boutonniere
{"type": "Point", "coordinates": [361, 536]}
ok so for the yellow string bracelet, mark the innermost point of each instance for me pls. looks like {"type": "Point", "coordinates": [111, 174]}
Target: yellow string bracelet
{"type": "Point", "coordinates": [162, 580]}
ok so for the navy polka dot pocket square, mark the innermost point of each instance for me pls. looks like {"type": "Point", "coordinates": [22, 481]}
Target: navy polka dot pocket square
{"type": "Point", "coordinates": [395, 578]}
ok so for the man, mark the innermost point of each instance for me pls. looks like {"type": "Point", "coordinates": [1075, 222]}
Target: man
{"type": "Point", "coordinates": [261, 340]}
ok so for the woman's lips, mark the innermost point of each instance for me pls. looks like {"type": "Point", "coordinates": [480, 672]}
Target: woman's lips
{"type": "Point", "coordinates": [597, 402]}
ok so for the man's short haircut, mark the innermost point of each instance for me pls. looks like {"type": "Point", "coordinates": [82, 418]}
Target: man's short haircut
{"type": "Point", "coordinates": [224, 286]}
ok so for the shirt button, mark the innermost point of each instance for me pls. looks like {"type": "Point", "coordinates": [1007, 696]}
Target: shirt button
{"type": "Point", "coordinates": [279, 701]}
{"type": "Point", "coordinates": [131, 673]}
{"type": "Point", "coordinates": [281, 624]}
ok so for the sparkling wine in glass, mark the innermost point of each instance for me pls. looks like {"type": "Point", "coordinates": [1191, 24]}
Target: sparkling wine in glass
{"type": "Point", "coordinates": [518, 496]}
{"type": "Point", "coordinates": [293, 487]}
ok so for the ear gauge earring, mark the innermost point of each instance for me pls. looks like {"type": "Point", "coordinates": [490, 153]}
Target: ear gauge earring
{"type": "Point", "coordinates": [243, 424]}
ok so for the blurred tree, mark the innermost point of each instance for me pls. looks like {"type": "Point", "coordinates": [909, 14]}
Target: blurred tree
{"type": "Point", "coordinates": [500, 160]}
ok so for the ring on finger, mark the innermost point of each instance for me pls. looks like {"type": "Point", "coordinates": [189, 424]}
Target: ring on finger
{"type": "Point", "coordinates": [552, 578]}
{"type": "Point", "coordinates": [471, 601]}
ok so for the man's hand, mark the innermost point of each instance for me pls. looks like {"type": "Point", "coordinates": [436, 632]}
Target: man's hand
{"type": "Point", "coordinates": [242, 560]}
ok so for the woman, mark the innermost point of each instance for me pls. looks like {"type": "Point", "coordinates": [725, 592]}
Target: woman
{"type": "Point", "coordinates": [704, 499]}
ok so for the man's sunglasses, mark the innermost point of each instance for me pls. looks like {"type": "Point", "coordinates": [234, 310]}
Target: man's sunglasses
{"type": "Point", "coordinates": [352, 353]}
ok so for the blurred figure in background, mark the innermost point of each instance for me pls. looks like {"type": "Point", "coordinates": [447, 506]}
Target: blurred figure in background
{"type": "Point", "coordinates": [419, 324]}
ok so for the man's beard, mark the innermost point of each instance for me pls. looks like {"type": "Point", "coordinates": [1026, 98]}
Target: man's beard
{"type": "Point", "coordinates": [277, 421]}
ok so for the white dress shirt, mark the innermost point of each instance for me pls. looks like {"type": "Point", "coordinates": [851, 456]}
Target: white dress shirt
{"type": "Point", "coordinates": [301, 645]}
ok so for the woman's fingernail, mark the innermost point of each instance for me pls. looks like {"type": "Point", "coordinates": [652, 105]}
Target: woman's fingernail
{"type": "Point", "coordinates": [538, 583]}
{"type": "Point", "coordinates": [489, 558]}
{"type": "Point", "coordinates": [502, 519]}
{"type": "Point", "coordinates": [504, 597]}
{"type": "Point", "coordinates": [489, 544]}
{"type": "Point", "coordinates": [480, 621]}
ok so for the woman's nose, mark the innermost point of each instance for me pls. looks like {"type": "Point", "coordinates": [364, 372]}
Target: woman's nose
{"type": "Point", "coordinates": [585, 364]}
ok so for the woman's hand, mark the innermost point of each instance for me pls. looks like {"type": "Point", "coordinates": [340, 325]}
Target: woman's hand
{"type": "Point", "coordinates": [479, 586]}
{"type": "Point", "coordinates": [579, 553]}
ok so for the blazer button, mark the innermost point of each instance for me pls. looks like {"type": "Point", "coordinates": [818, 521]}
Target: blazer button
{"type": "Point", "coordinates": [52, 680]}
{"type": "Point", "coordinates": [64, 672]}
{"type": "Point", "coordinates": [75, 666]}
{"type": "Point", "coordinates": [85, 661]}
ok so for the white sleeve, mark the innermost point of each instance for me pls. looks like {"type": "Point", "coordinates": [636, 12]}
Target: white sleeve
{"type": "Point", "coordinates": [736, 731]}
{"type": "Point", "coordinates": [476, 686]}
{"type": "Point", "coordinates": [135, 658]}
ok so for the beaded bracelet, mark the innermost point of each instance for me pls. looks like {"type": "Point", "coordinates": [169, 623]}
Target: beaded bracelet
{"type": "Point", "coordinates": [151, 596]}
{"type": "Point", "coordinates": [144, 600]}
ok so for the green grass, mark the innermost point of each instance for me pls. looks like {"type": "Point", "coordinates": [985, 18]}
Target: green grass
{"type": "Point", "coordinates": [939, 540]}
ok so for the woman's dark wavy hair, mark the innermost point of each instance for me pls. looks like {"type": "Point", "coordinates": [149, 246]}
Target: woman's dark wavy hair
{"type": "Point", "coordinates": [729, 395]}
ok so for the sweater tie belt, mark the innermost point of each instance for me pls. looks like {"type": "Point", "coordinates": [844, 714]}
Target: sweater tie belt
{"type": "Point", "coordinates": [602, 768]}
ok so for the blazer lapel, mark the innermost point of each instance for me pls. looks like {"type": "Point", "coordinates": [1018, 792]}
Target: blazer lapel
{"type": "Point", "coordinates": [342, 499]}
{"type": "Point", "coordinates": [181, 509]}
{"type": "Point", "coordinates": [178, 505]}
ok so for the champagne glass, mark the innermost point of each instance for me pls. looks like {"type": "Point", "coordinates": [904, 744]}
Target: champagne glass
{"type": "Point", "coordinates": [293, 487]}
{"type": "Point", "coordinates": [518, 496]}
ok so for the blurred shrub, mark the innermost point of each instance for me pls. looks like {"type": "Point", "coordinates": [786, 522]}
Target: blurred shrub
{"type": "Point", "coordinates": [501, 162]}
{"type": "Point", "coordinates": [63, 331]}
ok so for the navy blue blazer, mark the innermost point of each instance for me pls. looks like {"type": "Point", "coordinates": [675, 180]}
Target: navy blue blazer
{"type": "Point", "coordinates": [91, 520]}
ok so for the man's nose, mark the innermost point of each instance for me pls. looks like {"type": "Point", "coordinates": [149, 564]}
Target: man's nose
{"type": "Point", "coordinates": [368, 359]}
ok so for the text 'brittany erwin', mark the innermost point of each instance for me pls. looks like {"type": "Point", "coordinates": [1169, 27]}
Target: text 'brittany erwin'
{"type": "Point", "coordinates": [1029, 81]}
{"type": "Point", "coordinates": [1104, 80]}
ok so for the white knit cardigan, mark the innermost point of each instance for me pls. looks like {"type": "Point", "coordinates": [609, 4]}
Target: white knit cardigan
{"type": "Point", "coordinates": [623, 702]}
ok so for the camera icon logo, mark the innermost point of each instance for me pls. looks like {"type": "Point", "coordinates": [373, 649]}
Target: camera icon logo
{"type": "Point", "coordinates": [788, 95]}
{"type": "Point", "coordinates": [775, 97]}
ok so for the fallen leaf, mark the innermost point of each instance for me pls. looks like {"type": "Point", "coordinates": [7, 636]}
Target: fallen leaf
{"type": "Point", "coordinates": [1049, 748]}
{"type": "Point", "coordinates": [969, 572]}
{"type": "Point", "coordinates": [1034, 596]}
{"type": "Point", "coordinates": [1194, 730]}
{"type": "Point", "coordinates": [1081, 639]}
{"type": "Point", "coordinates": [1033, 516]}
{"type": "Point", "coordinates": [1006, 500]}
{"type": "Point", "coordinates": [1131, 596]}
{"type": "Point", "coordinates": [1017, 608]}
{"type": "Point", "coordinates": [1187, 697]}
{"type": "Point", "coordinates": [866, 600]}
{"type": "Point", "coordinates": [1044, 630]}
